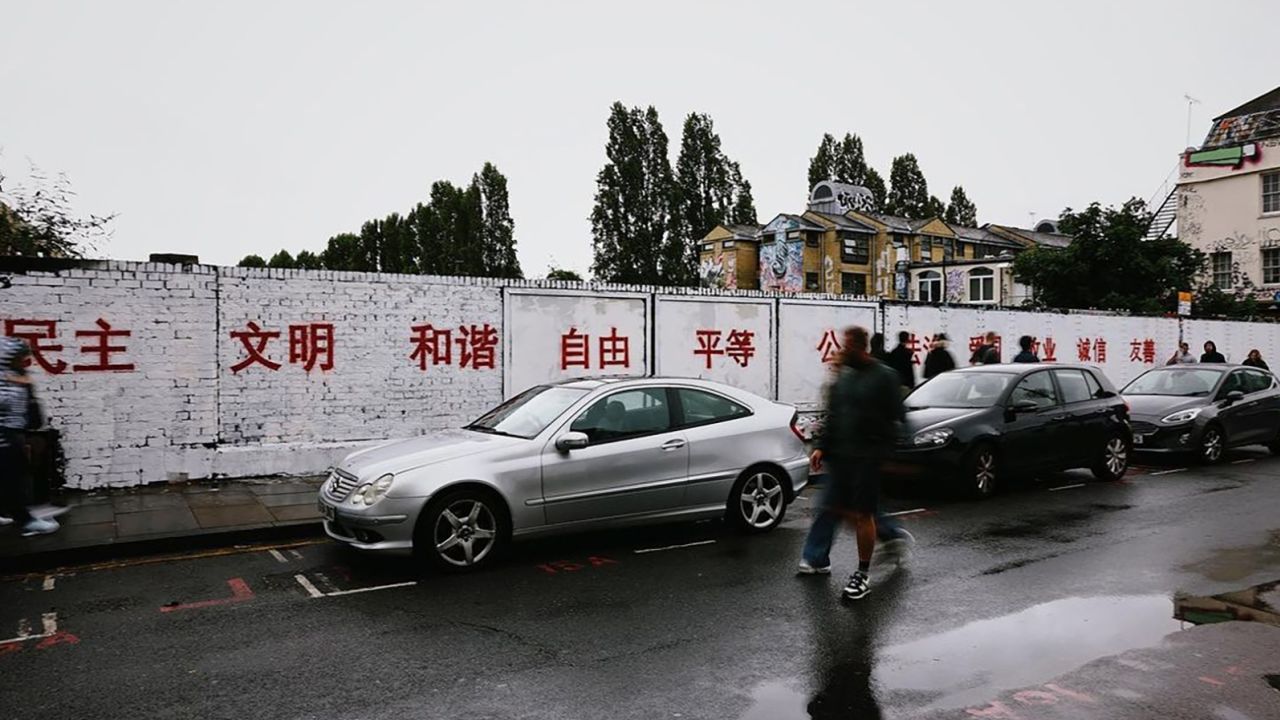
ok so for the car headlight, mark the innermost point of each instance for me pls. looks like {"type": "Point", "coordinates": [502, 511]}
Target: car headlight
{"type": "Point", "coordinates": [370, 493]}
{"type": "Point", "coordinates": [932, 437]}
{"type": "Point", "coordinates": [1182, 416]}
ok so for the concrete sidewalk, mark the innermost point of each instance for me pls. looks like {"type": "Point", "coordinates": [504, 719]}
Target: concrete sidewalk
{"type": "Point", "coordinates": [114, 522]}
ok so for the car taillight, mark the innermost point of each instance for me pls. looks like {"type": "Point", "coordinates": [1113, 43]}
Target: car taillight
{"type": "Point", "coordinates": [795, 427]}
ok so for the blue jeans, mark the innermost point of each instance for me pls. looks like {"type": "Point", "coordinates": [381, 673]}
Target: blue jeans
{"type": "Point", "coordinates": [822, 534]}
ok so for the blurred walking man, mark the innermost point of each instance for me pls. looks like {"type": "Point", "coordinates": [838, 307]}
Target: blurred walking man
{"type": "Point", "coordinates": [864, 408]}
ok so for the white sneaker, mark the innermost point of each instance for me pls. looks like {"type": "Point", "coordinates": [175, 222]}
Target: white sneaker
{"type": "Point", "coordinates": [38, 526]}
{"type": "Point", "coordinates": [5, 521]}
{"type": "Point", "coordinates": [806, 569]}
{"type": "Point", "coordinates": [48, 511]}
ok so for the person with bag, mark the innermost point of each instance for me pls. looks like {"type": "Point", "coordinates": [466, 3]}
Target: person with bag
{"type": "Point", "coordinates": [18, 413]}
{"type": "Point", "coordinates": [939, 359]}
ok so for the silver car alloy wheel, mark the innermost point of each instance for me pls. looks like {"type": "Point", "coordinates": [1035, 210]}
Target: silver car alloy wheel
{"type": "Point", "coordinates": [1211, 445]}
{"type": "Point", "coordinates": [761, 500]}
{"type": "Point", "coordinates": [1117, 456]}
{"type": "Point", "coordinates": [984, 471]}
{"type": "Point", "coordinates": [465, 532]}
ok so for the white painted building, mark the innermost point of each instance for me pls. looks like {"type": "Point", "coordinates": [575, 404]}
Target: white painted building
{"type": "Point", "coordinates": [1229, 199]}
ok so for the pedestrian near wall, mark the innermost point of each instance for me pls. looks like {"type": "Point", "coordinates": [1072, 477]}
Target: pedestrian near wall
{"type": "Point", "coordinates": [939, 359]}
{"type": "Point", "coordinates": [863, 413]}
{"type": "Point", "coordinates": [1027, 355]}
{"type": "Point", "coordinates": [1255, 360]}
{"type": "Point", "coordinates": [1183, 356]}
{"type": "Point", "coordinates": [986, 354]}
{"type": "Point", "coordinates": [1211, 354]}
{"type": "Point", "coordinates": [16, 416]}
{"type": "Point", "coordinates": [900, 360]}
{"type": "Point", "coordinates": [877, 348]}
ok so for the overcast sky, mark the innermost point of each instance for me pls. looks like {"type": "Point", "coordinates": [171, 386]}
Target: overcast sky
{"type": "Point", "coordinates": [221, 129]}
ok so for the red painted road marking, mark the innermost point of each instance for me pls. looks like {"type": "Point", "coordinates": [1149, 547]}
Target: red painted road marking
{"type": "Point", "coordinates": [240, 592]}
{"type": "Point", "coordinates": [559, 566]}
{"type": "Point", "coordinates": [1211, 681]}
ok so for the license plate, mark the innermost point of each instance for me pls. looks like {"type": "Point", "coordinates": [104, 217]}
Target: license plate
{"type": "Point", "coordinates": [328, 512]}
{"type": "Point", "coordinates": [1139, 439]}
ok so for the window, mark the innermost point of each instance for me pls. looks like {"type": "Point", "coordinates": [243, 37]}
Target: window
{"type": "Point", "coordinates": [926, 248]}
{"type": "Point", "coordinates": [1256, 381]}
{"type": "Point", "coordinates": [793, 234]}
{"type": "Point", "coordinates": [930, 287]}
{"type": "Point", "coordinates": [726, 244]}
{"type": "Point", "coordinates": [1271, 192]}
{"type": "Point", "coordinates": [1235, 381]}
{"type": "Point", "coordinates": [708, 247]}
{"type": "Point", "coordinates": [702, 408]}
{"type": "Point", "coordinates": [855, 250]}
{"type": "Point", "coordinates": [812, 239]}
{"type": "Point", "coordinates": [1036, 388]}
{"type": "Point", "coordinates": [1095, 388]}
{"type": "Point", "coordinates": [982, 285]}
{"type": "Point", "coordinates": [1075, 388]}
{"type": "Point", "coordinates": [767, 238]}
{"type": "Point", "coordinates": [1221, 265]}
{"type": "Point", "coordinates": [948, 249]}
{"type": "Point", "coordinates": [530, 412]}
{"type": "Point", "coordinates": [811, 281]}
{"type": "Point", "coordinates": [630, 413]}
{"type": "Point", "coordinates": [853, 283]}
{"type": "Point", "coordinates": [1271, 266]}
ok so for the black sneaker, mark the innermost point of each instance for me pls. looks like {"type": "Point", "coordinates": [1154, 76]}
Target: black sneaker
{"type": "Point", "coordinates": [857, 587]}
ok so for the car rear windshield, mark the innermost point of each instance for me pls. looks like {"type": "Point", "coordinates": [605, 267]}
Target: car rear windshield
{"type": "Point", "coordinates": [529, 413]}
{"type": "Point", "coordinates": [961, 390]}
{"type": "Point", "coordinates": [1181, 382]}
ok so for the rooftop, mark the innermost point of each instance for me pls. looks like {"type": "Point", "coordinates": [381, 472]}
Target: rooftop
{"type": "Point", "coordinates": [1255, 120]}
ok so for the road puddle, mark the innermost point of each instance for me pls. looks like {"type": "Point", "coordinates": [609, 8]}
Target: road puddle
{"type": "Point", "coordinates": [1260, 603]}
{"type": "Point", "coordinates": [1232, 564]}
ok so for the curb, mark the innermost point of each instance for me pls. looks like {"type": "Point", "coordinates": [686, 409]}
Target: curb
{"type": "Point", "coordinates": [50, 559]}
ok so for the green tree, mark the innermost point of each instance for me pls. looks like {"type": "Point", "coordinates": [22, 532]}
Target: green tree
{"type": "Point", "coordinates": [281, 260]}
{"type": "Point", "coordinates": [709, 190]}
{"type": "Point", "coordinates": [845, 162]}
{"type": "Point", "coordinates": [555, 273]}
{"type": "Point", "coordinates": [936, 208]}
{"type": "Point", "coordinates": [1108, 265]}
{"type": "Point", "coordinates": [307, 260]}
{"type": "Point", "coordinates": [961, 210]}
{"type": "Point", "coordinates": [875, 184]}
{"type": "Point", "coordinates": [631, 217]}
{"type": "Point", "coordinates": [497, 226]}
{"type": "Point", "coordinates": [345, 252]}
{"type": "Point", "coordinates": [36, 219]}
{"type": "Point", "coordinates": [822, 164]}
{"type": "Point", "coordinates": [252, 261]}
{"type": "Point", "coordinates": [908, 191]}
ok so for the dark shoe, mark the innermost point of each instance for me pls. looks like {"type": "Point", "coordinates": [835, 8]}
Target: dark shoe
{"type": "Point", "coordinates": [857, 588]}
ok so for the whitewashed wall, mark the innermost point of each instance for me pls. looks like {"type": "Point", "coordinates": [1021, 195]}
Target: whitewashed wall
{"type": "Point", "coordinates": [347, 359]}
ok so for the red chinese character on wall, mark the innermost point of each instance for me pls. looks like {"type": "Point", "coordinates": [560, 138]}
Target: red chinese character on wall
{"type": "Point", "coordinates": [36, 332]}
{"type": "Point", "coordinates": [255, 341]}
{"type": "Point", "coordinates": [1084, 350]}
{"type": "Point", "coordinates": [311, 344]}
{"type": "Point", "coordinates": [829, 346]}
{"type": "Point", "coordinates": [1050, 350]}
{"type": "Point", "coordinates": [913, 344]}
{"type": "Point", "coordinates": [615, 350]}
{"type": "Point", "coordinates": [1100, 350]}
{"type": "Point", "coordinates": [1149, 351]}
{"type": "Point", "coordinates": [741, 346]}
{"type": "Point", "coordinates": [431, 344]}
{"type": "Point", "coordinates": [103, 349]}
{"type": "Point", "coordinates": [575, 350]}
{"type": "Point", "coordinates": [708, 344]}
{"type": "Point", "coordinates": [978, 341]}
{"type": "Point", "coordinates": [476, 346]}
{"type": "Point", "coordinates": [1135, 350]}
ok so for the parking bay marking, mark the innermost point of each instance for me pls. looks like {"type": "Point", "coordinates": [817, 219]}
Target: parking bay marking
{"type": "Point", "coordinates": [49, 623]}
{"type": "Point", "coordinates": [1169, 472]}
{"type": "Point", "coordinates": [673, 547]}
{"type": "Point", "coordinates": [316, 592]}
{"type": "Point", "coordinates": [1066, 487]}
{"type": "Point", "coordinates": [901, 513]}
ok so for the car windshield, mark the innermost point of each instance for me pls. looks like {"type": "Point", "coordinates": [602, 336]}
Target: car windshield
{"type": "Point", "coordinates": [960, 390]}
{"type": "Point", "coordinates": [1180, 382]}
{"type": "Point", "coordinates": [529, 413]}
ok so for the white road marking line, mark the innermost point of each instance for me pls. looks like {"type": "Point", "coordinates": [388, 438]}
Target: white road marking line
{"type": "Point", "coordinates": [312, 590]}
{"type": "Point", "coordinates": [296, 555]}
{"type": "Point", "coordinates": [49, 580]}
{"type": "Point", "coordinates": [276, 554]}
{"type": "Point", "coordinates": [1066, 487]}
{"type": "Point", "coordinates": [1169, 472]}
{"type": "Point", "coordinates": [1242, 462]}
{"type": "Point", "coordinates": [673, 547]}
{"type": "Point", "coordinates": [335, 593]}
{"type": "Point", "coordinates": [906, 512]}
{"type": "Point", "coordinates": [50, 622]}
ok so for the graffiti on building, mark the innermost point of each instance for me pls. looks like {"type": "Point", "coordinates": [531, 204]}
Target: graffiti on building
{"type": "Point", "coordinates": [1233, 157]}
{"type": "Point", "coordinates": [720, 271]}
{"type": "Point", "coordinates": [1191, 212]}
{"type": "Point", "coordinates": [856, 198]}
{"type": "Point", "coordinates": [955, 286]}
{"type": "Point", "coordinates": [782, 261]}
{"type": "Point", "coordinates": [1242, 128]}
{"type": "Point", "coordinates": [829, 275]}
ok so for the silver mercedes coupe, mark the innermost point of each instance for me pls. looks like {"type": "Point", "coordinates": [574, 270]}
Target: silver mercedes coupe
{"type": "Point", "coordinates": [579, 455]}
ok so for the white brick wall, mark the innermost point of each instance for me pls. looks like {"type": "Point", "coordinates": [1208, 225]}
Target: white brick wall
{"type": "Point", "coordinates": [182, 413]}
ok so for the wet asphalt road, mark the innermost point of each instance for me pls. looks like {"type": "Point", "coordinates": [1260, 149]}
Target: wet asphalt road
{"type": "Point", "coordinates": [998, 595]}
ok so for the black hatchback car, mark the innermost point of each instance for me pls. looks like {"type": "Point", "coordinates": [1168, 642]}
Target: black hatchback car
{"type": "Point", "coordinates": [1204, 409]}
{"type": "Point", "coordinates": [995, 420]}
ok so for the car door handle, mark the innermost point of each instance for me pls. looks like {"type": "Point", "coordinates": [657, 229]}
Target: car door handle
{"type": "Point", "coordinates": [1058, 418]}
{"type": "Point", "coordinates": [675, 444]}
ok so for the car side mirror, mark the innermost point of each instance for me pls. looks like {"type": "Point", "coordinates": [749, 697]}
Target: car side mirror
{"type": "Point", "coordinates": [1024, 406]}
{"type": "Point", "coordinates": [572, 441]}
{"type": "Point", "coordinates": [1234, 396]}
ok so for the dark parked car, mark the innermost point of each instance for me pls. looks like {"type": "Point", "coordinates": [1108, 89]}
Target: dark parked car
{"type": "Point", "coordinates": [991, 421]}
{"type": "Point", "coordinates": [1204, 409]}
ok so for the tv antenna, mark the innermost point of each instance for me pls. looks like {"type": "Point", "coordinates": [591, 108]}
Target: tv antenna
{"type": "Point", "coordinates": [1190, 102]}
